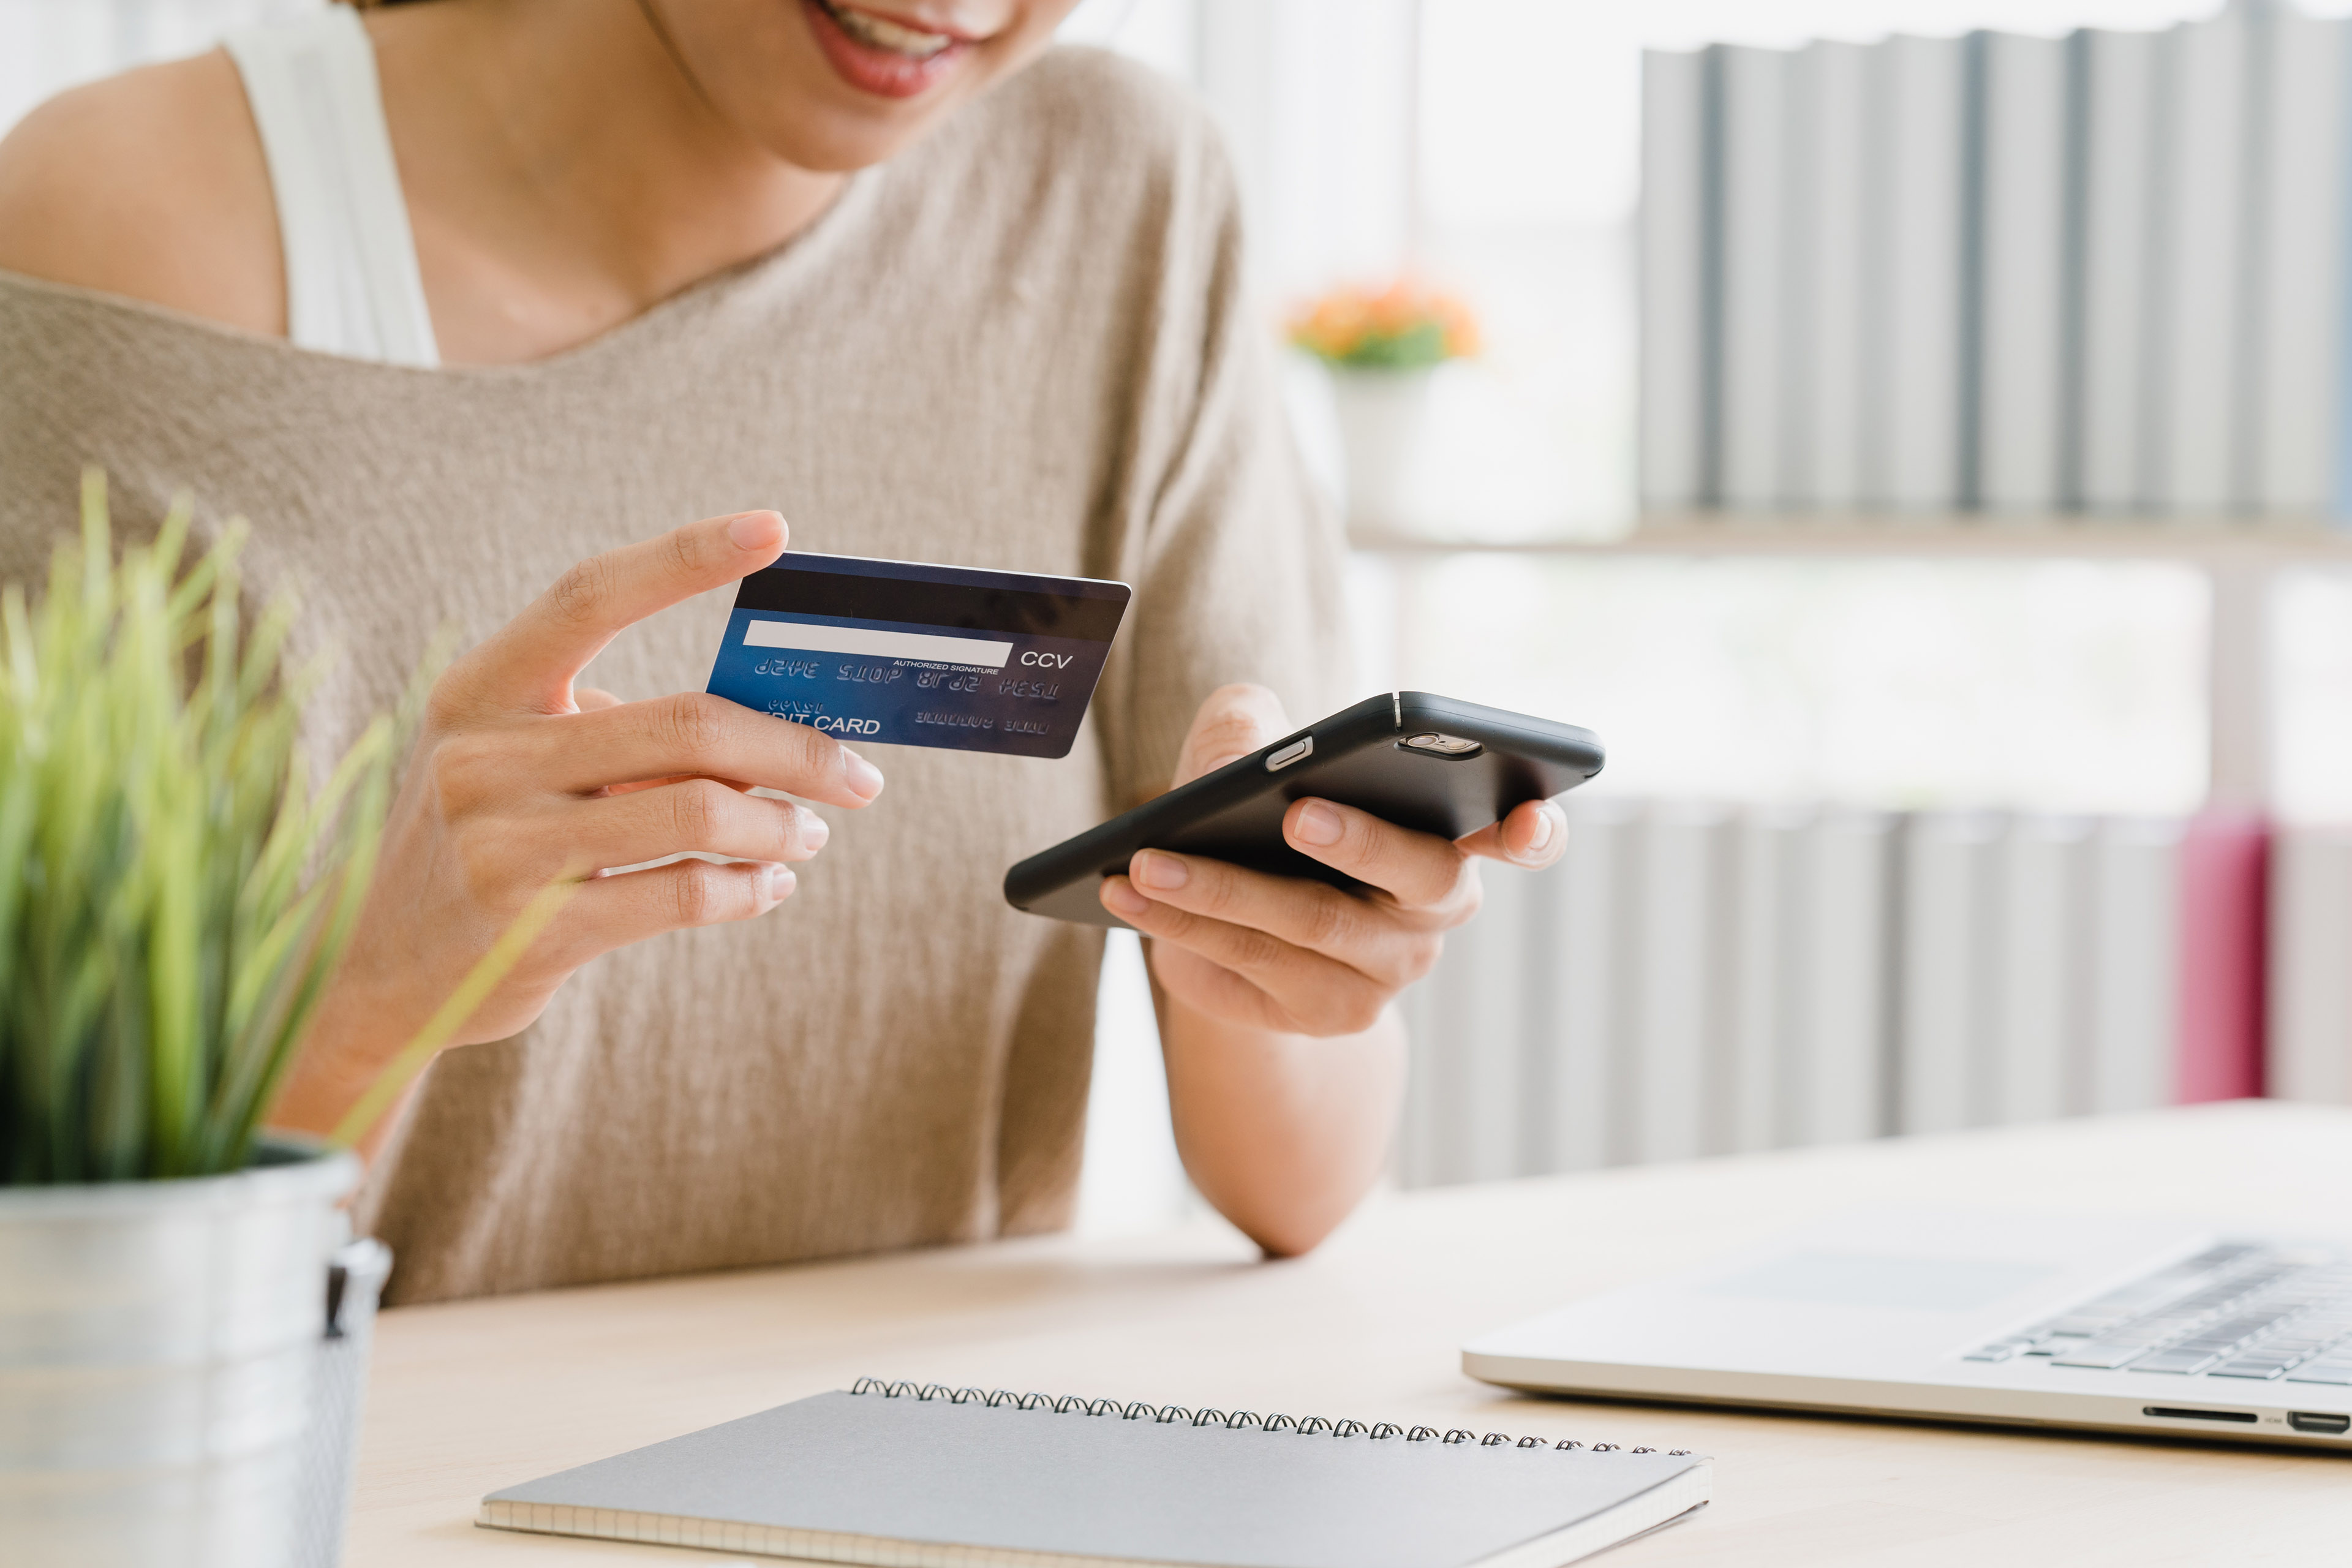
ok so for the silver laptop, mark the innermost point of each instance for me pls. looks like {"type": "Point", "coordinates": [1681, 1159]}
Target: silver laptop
{"type": "Point", "coordinates": [2131, 1325]}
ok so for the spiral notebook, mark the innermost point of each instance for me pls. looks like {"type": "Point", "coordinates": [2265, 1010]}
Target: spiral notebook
{"type": "Point", "coordinates": [902, 1477]}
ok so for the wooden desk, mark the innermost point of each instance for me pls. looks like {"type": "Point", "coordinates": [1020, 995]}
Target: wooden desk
{"type": "Point", "coordinates": [470, 1397]}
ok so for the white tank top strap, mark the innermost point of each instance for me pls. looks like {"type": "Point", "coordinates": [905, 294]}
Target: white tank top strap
{"type": "Point", "coordinates": [353, 286]}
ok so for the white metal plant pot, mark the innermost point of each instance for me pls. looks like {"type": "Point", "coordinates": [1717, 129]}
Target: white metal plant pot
{"type": "Point", "coordinates": [159, 1346]}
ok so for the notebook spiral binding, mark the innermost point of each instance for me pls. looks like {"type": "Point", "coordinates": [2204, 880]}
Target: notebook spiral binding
{"type": "Point", "coordinates": [1070, 1404]}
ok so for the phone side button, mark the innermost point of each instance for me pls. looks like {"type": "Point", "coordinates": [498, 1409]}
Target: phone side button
{"type": "Point", "coordinates": [1277, 760]}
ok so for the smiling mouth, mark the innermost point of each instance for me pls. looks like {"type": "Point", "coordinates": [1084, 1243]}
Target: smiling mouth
{"type": "Point", "coordinates": [881, 33]}
{"type": "Point", "coordinates": [882, 55]}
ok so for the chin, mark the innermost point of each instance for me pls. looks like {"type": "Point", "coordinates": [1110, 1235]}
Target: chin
{"type": "Point", "coordinates": [840, 85]}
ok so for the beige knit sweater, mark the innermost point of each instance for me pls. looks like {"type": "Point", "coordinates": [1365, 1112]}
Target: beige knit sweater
{"type": "Point", "coordinates": [1020, 345]}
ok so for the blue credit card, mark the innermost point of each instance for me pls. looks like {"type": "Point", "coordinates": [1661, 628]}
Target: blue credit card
{"type": "Point", "coordinates": [912, 655]}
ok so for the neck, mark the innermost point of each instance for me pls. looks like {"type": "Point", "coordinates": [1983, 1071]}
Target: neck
{"type": "Point", "coordinates": [564, 172]}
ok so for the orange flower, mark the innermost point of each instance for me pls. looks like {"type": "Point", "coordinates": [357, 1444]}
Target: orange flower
{"type": "Point", "coordinates": [1405, 325]}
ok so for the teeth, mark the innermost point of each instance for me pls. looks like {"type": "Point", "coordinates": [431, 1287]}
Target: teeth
{"type": "Point", "coordinates": [883, 34]}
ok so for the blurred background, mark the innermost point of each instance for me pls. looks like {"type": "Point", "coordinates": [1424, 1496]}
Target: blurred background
{"type": "Point", "coordinates": [1910, 432]}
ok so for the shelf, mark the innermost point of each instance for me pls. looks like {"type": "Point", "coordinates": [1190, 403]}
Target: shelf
{"type": "Point", "coordinates": [2214, 540]}
{"type": "Point", "coordinates": [2240, 554]}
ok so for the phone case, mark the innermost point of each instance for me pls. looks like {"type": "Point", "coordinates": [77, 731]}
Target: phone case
{"type": "Point", "coordinates": [1357, 757]}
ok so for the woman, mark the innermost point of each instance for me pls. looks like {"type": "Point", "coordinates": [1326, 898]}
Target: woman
{"type": "Point", "coordinates": [575, 267]}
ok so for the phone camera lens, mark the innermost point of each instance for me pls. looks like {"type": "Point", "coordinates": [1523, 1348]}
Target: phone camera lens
{"type": "Point", "coordinates": [1427, 743]}
{"type": "Point", "coordinates": [1452, 747]}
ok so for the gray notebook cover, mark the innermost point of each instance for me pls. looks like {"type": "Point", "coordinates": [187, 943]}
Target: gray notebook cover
{"type": "Point", "coordinates": [1003, 1482]}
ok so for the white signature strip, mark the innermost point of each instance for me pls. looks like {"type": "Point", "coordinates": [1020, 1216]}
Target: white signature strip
{"type": "Point", "coordinates": [875, 645]}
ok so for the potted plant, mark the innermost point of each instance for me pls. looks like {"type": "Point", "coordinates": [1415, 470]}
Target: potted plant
{"type": "Point", "coordinates": [1383, 348]}
{"type": "Point", "coordinates": [177, 888]}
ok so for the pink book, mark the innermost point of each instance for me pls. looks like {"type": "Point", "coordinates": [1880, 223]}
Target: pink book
{"type": "Point", "coordinates": [2224, 878]}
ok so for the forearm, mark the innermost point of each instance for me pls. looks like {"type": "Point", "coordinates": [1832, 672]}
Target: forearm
{"type": "Point", "coordinates": [1284, 1134]}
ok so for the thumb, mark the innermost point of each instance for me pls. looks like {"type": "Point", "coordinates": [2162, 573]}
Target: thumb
{"type": "Point", "coordinates": [1235, 721]}
{"type": "Point", "coordinates": [530, 662]}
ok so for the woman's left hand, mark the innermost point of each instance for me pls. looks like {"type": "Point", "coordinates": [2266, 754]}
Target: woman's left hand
{"type": "Point", "coordinates": [1287, 953]}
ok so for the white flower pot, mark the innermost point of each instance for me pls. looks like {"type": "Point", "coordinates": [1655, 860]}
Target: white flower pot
{"type": "Point", "coordinates": [1383, 416]}
{"type": "Point", "coordinates": [159, 1346]}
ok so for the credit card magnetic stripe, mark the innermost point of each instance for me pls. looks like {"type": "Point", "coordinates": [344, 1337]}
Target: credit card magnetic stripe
{"type": "Point", "coordinates": [964, 596]}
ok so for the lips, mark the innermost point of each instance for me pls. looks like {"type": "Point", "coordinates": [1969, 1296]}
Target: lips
{"type": "Point", "coordinates": [880, 55]}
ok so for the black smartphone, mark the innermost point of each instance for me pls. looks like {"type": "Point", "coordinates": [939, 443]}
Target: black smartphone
{"type": "Point", "coordinates": [1429, 764]}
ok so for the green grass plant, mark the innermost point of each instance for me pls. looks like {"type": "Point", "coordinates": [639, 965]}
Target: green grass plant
{"type": "Point", "coordinates": [176, 884]}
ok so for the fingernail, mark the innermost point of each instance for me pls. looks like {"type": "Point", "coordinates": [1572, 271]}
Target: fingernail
{"type": "Point", "coordinates": [1122, 899]}
{"type": "Point", "coordinates": [1546, 824]}
{"type": "Point", "coordinates": [754, 529]}
{"type": "Point", "coordinates": [814, 830]}
{"type": "Point", "coordinates": [775, 882]}
{"type": "Point", "coordinates": [1164, 872]}
{"type": "Point", "coordinates": [1319, 825]}
{"type": "Point", "coordinates": [865, 780]}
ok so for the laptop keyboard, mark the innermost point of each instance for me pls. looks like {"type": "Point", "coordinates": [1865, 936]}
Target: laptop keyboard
{"type": "Point", "coordinates": [2237, 1310]}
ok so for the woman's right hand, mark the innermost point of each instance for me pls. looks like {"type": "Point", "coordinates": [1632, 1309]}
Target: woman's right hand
{"type": "Point", "coordinates": [519, 779]}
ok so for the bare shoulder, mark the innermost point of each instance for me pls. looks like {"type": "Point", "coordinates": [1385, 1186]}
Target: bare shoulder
{"type": "Point", "coordinates": [150, 185]}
